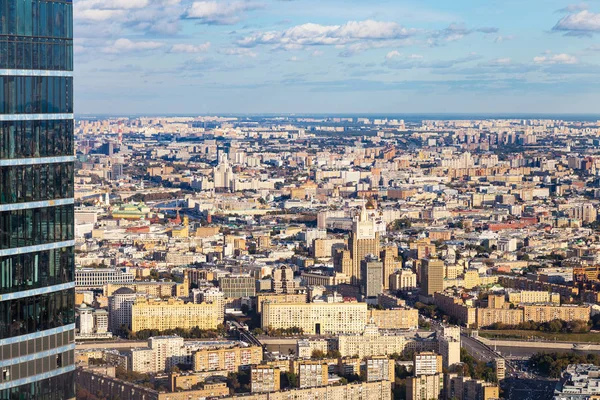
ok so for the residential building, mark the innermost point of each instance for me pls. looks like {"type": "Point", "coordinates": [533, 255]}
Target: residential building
{"type": "Point", "coordinates": [315, 318]}
{"type": "Point", "coordinates": [424, 387]}
{"type": "Point", "coordinates": [312, 374]}
{"type": "Point", "coordinates": [264, 378]}
{"type": "Point", "coordinates": [427, 363]}
{"type": "Point", "coordinates": [370, 342]}
{"type": "Point", "coordinates": [173, 313]}
{"type": "Point", "coordinates": [227, 356]}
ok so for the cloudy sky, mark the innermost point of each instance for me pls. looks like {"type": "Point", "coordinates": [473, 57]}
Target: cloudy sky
{"type": "Point", "coordinates": [336, 56]}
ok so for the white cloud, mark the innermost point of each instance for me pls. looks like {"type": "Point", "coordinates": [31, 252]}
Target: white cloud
{"type": "Point", "coordinates": [129, 46]}
{"type": "Point", "coordinates": [392, 54]}
{"type": "Point", "coordinates": [578, 24]}
{"type": "Point", "coordinates": [238, 52]}
{"type": "Point", "coordinates": [550, 59]}
{"type": "Point", "coordinates": [311, 34]}
{"type": "Point", "coordinates": [219, 12]}
{"type": "Point", "coordinates": [190, 48]}
{"type": "Point", "coordinates": [501, 61]}
{"type": "Point", "coordinates": [573, 8]}
{"type": "Point", "coordinates": [113, 18]}
{"type": "Point", "coordinates": [500, 38]}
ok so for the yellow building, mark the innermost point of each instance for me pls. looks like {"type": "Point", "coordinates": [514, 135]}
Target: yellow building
{"type": "Point", "coordinates": [228, 358]}
{"type": "Point", "coordinates": [464, 388]}
{"type": "Point", "coordinates": [264, 378]}
{"type": "Point", "coordinates": [173, 313]}
{"type": "Point", "coordinates": [282, 298]}
{"type": "Point", "coordinates": [381, 390]}
{"type": "Point", "coordinates": [424, 387]}
{"type": "Point", "coordinates": [315, 318]}
{"type": "Point", "coordinates": [533, 296]}
{"type": "Point", "coordinates": [489, 316]}
{"type": "Point", "coordinates": [313, 279]}
{"type": "Point", "coordinates": [471, 279]}
{"type": "Point", "coordinates": [398, 318]}
{"type": "Point", "coordinates": [543, 313]}
{"type": "Point", "coordinates": [455, 307]}
{"type": "Point", "coordinates": [157, 289]}
{"type": "Point", "coordinates": [312, 373]}
{"type": "Point", "coordinates": [432, 276]}
{"type": "Point", "coordinates": [130, 211]}
{"type": "Point", "coordinates": [371, 343]}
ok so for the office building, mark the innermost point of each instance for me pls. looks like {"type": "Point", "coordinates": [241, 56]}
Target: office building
{"type": "Point", "coordinates": [364, 240]}
{"type": "Point", "coordinates": [283, 280]}
{"type": "Point", "coordinates": [432, 279]}
{"type": "Point", "coordinates": [96, 278]}
{"type": "Point", "coordinates": [235, 287]}
{"type": "Point", "coordinates": [403, 280]}
{"type": "Point", "coordinates": [389, 258]}
{"type": "Point", "coordinates": [37, 330]}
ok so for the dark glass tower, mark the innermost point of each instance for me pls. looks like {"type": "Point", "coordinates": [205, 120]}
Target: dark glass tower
{"type": "Point", "coordinates": [36, 200]}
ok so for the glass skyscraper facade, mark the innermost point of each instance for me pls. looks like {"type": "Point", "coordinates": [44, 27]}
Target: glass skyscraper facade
{"type": "Point", "coordinates": [37, 321]}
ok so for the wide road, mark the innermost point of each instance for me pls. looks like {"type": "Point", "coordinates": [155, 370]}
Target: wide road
{"type": "Point", "coordinates": [476, 349]}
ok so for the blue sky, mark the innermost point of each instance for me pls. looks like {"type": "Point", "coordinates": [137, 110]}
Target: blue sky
{"type": "Point", "coordinates": [334, 56]}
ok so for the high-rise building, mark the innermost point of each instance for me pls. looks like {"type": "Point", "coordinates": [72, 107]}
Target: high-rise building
{"type": "Point", "coordinates": [432, 279]}
{"type": "Point", "coordinates": [371, 277]}
{"type": "Point", "coordinates": [37, 289]}
{"type": "Point", "coordinates": [364, 240]}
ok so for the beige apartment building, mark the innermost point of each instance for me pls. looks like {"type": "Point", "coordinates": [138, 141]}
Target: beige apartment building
{"type": "Point", "coordinates": [173, 313]}
{"type": "Point", "coordinates": [264, 378]}
{"type": "Point", "coordinates": [370, 343]}
{"type": "Point", "coordinates": [278, 299]}
{"type": "Point", "coordinates": [424, 387]}
{"type": "Point", "coordinates": [489, 316]}
{"type": "Point", "coordinates": [464, 388]}
{"type": "Point", "coordinates": [228, 358]}
{"type": "Point", "coordinates": [312, 373]}
{"type": "Point", "coordinates": [455, 307]}
{"type": "Point", "coordinates": [531, 296]}
{"type": "Point", "coordinates": [157, 289]}
{"type": "Point", "coordinates": [381, 390]}
{"type": "Point", "coordinates": [313, 279]}
{"type": "Point", "coordinates": [398, 318]}
{"type": "Point", "coordinates": [315, 318]}
{"type": "Point", "coordinates": [543, 313]}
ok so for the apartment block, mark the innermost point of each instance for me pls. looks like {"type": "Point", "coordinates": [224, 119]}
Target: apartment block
{"type": "Point", "coordinates": [173, 313]}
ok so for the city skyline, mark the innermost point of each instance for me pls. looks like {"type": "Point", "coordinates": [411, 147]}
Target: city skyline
{"type": "Point", "coordinates": [304, 57]}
